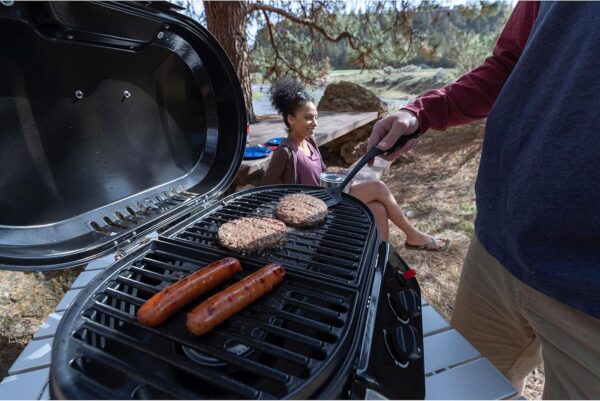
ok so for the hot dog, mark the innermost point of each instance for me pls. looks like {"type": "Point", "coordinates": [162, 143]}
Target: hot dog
{"type": "Point", "coordinates": [168, 301]}
{"type": "Point", "coordinates": [221, 306]}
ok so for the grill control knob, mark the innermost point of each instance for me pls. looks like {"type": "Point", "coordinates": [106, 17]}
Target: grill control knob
{"type": "Point", "coordinates": [406, 343]}
{"type": "Point", "coordinates": [406, 303]}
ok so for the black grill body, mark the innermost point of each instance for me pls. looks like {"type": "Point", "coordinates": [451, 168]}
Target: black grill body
{"type": "Point", "coordinates": [303, 340]}
{"type": "Point", "coordinates": [125, 119]}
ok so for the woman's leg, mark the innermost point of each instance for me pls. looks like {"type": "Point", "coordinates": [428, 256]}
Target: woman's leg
{"type": "Point", "coordinates": [370, 191]}
{"type": "Point", "coordinates": [381, 218]}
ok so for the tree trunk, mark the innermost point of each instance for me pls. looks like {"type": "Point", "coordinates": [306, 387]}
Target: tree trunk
{"type": "Point", "coordinates": [226, 20]}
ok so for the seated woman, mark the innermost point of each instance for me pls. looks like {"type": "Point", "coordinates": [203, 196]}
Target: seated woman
{"type": "Point", "coordinates": [297, 160]}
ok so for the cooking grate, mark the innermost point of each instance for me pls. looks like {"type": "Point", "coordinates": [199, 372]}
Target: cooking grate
{"type": "Point", "coordinates": [334, 250]}
{"type": "Point", "coordinates": [283, 343]}
{"type": "Point", "coordinates": [287, 344]}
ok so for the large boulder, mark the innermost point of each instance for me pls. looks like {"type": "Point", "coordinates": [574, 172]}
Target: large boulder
{"type": "Point", "coordinates": [418, 83]}
{"type": "Point", "coordinates": [352, 151]}
{"type": "Point", "coordinates": [348, 96]}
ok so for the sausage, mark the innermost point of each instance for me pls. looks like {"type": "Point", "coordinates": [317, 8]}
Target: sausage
{"type": "Point", "coordinates": [168, 301]}
{"type": "Point", "coordinates": [221, 306]}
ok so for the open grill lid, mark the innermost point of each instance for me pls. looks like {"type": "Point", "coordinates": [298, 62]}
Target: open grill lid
{"type": "Point", "coordinates": [116, 118]}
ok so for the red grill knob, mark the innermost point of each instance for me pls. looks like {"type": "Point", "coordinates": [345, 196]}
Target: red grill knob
{"type": "Point", "coordinates": [410, 273]}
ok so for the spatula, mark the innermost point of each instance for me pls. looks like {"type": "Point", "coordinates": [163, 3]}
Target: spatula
{"type": "Point", "coordinates": [334, 195]}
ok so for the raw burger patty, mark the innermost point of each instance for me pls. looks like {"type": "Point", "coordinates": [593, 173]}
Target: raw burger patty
{"type": "Point", "coordinates": [252, 234]}
{"type": "Point", "coordinates": [301, 210]}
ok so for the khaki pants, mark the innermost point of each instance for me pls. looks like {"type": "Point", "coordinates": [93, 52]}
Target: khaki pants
{"type": "Point", "coordinates": [517, 328]}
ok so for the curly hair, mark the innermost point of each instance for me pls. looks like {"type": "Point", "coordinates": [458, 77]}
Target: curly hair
{"type": "Point", "coordinates": [287, 96]}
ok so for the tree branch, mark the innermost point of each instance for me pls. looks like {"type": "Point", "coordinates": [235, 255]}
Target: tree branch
{"type": "Point", "coordinates": [304, 21]}
{"type": "Point", "coordinates": [276, 50]}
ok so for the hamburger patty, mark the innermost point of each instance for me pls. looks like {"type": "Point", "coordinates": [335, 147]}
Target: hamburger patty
{"type": "Point", "coordinates": [301, 210]}
{"type": "Point", "coordinates": [252, 234]}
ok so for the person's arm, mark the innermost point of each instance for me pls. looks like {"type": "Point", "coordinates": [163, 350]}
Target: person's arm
{"type": "Point", "coordinates": [472, 96]}
{"type": "Point", "coordinates": [468, 99]}
{"type": "Point", "coordinates": [277, 165]}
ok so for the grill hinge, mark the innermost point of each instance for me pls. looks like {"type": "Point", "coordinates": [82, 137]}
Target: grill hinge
{"type": "Point", "coordinates": [122, 248]}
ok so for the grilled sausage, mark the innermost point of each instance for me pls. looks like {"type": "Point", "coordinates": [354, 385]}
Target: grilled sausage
{"type": "Point", "coordinates": [168, 301]}
{"type": "Point", "coordinates": [221, 306]}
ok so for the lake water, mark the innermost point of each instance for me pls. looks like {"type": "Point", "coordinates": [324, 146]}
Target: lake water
{"type": "Point", "coordinates": [262, 105]}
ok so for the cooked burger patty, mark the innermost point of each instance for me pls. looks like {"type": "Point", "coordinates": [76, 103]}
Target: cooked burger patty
{"type": "Point", "coordinates": [301, 210]}
{"type": "Point", "coordinates": [252, 234]}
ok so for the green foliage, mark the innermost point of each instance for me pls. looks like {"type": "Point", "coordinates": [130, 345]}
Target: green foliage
{"type": "Point", "coordinates": [467, 50]}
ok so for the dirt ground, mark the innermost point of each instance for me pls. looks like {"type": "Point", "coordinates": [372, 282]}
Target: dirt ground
{"type": "Point", "coordinates": [26, 300]}
{"type": "Point", "coordinates": [434, 185]}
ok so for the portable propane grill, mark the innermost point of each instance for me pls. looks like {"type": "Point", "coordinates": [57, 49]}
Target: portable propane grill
{"type": "Point", "coordinates": [123, 119]}
{"type": "Point", "coordinates": [300, 341]}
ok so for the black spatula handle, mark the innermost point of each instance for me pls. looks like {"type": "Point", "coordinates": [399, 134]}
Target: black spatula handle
{"type": "Point", "coordinates": [374, 152]}
{"type": "Point", "coordinates": [403, 140]}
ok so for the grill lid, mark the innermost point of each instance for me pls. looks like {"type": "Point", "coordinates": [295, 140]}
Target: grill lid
{"type": "Point", "coordinates": [116, 118]}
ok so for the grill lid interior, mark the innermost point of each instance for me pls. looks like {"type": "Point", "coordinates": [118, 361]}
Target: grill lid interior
{"type": "Point", "coordinates": [116, 117]}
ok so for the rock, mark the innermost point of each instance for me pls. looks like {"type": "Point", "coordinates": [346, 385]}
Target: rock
{"type": "Point", "coordinates": [333, 150]}
{"type": "Point", "coordinates": [420, 84]}
{"type": "Point", "coordinates": [352, 151]}
{"type": "Point", "coordinates": [381, 81]}
{"type": "Point", "coordinates": [409, 68]}
{"type": "Point", "coordinates": [348, 96]}
{"type": "Point", "coordinates": [388, 69]}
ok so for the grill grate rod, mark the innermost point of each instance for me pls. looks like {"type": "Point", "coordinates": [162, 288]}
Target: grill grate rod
{"type": "Point", "coordinates": [103, 358]}
{"type": "Point", "coordinates": [137, 284]}
{"type": "Point", "coordinates": [296, 236]}
{"type": "Point", "coordinates": [255, 261]}
{"type": "Point", "coordinates": [325, 328]}
{"type": "Point", "coordinates": [122, 296]}
{"type": "Point", "coordinates": [332, 226]}
{"type": "Point", "coordinates": [270, 197]}
{"type": "Point", "coordinates": [240, 362]}
{"type": "Point", "coordinates": [266, 347]}
{"type": "Point", "coordinates": [285, 333]}
{"type": "Point", "coordinates": [222, 381]}
{"type": "Point", "coordinates": [248, 340]}
{"type": "Point", "coordinates": [286, 262]}
{"type": "Point", "coordinates": [151, 274]}
{"type": "Point", "coordinates": [210, 234]}
{"type": "Point", "coordinates": [341, 263]}
{"type": "Point", "coordinates": [338, 235]}
{"type": "Point", "coordinates": [149, 261]}
{"type": "Point", "coordinates": [313, 308]}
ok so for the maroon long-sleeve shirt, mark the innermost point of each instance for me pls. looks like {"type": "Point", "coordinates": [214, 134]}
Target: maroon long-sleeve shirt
{"type": "Point", "coordinates": [472, 96]}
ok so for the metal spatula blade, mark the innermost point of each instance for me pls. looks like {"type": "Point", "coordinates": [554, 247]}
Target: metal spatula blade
{"type": "Point", "coordinates": [333, 196]}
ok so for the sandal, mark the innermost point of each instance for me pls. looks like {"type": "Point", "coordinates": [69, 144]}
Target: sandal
{"type": "Point", "coordinates": [430, 246]}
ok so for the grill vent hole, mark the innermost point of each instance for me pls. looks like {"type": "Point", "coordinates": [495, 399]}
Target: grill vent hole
{"type": "Point", "coordinates": [96, 227]}
{"type": "Point", "coordinates": [112, 223]}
